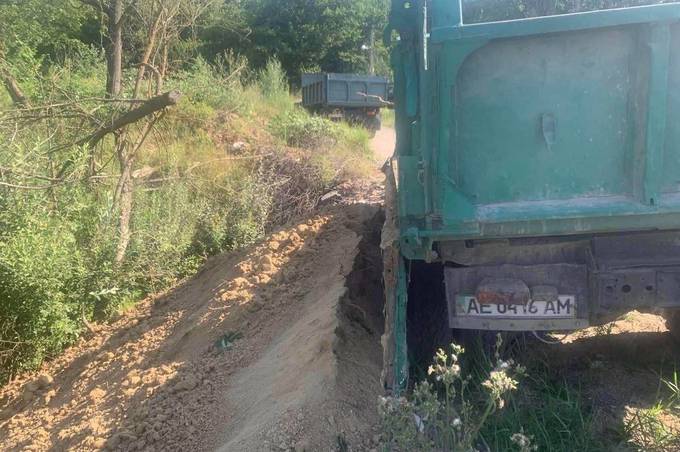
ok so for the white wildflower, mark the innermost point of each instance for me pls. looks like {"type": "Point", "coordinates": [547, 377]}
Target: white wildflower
{"type": "Point", "coordinates": [419, 423]}
{"type": "Point", "coordinates": [523, 441]}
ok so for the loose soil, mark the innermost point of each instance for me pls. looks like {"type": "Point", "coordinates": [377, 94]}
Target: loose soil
{"type": "Point", "coordinates": [618, 368]}
{"type": "Point", "coordinates": [273, 348]}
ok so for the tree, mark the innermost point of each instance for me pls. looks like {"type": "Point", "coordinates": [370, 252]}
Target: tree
{"type": "Point", "coordinates": [329, 35]}
{"type": "Point", "coordinates": [49, 28]}
{"type": "Point", "coordinates": [114, 54]}
{"type": "Point", "coordinates": [165, 21]}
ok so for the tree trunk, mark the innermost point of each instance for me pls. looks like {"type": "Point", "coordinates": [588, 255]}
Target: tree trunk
{"type": "Point", "coordinates": [371, 52]}
{"type": "Point", "coordinates": [151, 43]}
{"type": "Point", "coordinates": [125, 190]}
{"type": "Point", "coordinates": [115, 49]}
{"type": "Point", "coordinates": [13, 89]}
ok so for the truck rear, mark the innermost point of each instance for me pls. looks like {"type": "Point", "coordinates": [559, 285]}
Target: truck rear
{"type": "Point", "coordinates": [538, 164]}
{"type": "Point", "coordinates": [351, 97]}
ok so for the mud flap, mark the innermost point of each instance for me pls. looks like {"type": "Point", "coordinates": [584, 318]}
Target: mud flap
{"type": "Point", "coordinates": [395, 359]}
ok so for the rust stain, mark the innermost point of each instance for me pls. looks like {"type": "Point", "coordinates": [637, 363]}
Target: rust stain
{"type": "Point", "coordinates": [491, 297]}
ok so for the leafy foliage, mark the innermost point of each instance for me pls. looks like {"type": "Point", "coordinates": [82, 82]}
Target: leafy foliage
{"type": "Point", "coordinates": [53, 29]}
{"type": "Point", "coordinates": [58, 242]}
{"type": "Point", "coordinates": [306, 35]}
{"type": "Point", "coordinates": [299, 128]}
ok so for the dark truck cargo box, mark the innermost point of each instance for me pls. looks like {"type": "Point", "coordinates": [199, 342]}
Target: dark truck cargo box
{"type": "Point", "coordinates": [355, 98]}
{"type": "Point", "coordinates": [343, 90]}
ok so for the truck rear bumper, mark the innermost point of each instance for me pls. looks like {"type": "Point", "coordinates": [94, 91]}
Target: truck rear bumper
{"type": "Point", "coordinates": [510, 283]}
{"type": "Point", "coordinates": [605, 276]}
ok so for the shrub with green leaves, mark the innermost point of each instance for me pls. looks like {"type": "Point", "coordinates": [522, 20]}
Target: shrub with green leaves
{"type": "Point", "coordinates": [272, 80]}
{"type": "Point", "coordinates": [299, 128]}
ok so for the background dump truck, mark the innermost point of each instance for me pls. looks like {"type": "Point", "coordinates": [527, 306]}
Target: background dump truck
{"type": "Point", "coordinates": [536, 179]}
{"type": "Point", "coordinates": [350, 97]}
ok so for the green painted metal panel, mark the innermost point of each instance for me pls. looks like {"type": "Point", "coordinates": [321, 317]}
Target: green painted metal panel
{"type": "Point", "coordinates": [554, 128]}
{"type": "Point", "coordinates": [544, 126]}
{"type": "Point", "coordinates": [671, 156]}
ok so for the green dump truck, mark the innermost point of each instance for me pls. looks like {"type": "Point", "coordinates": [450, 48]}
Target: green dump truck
{"type": "Point", "coordinates": [537, 169]}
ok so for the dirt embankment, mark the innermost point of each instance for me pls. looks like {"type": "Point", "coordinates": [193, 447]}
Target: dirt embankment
{"type": "Point", "coordinates": [273, 348]}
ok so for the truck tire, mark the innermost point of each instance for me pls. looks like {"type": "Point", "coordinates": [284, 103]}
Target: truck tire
{"type": "Point", "coordinates": [373, 125]}
{"type": "Point", "coordinates": [672, 317]}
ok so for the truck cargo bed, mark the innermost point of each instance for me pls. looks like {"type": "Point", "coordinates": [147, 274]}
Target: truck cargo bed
{"type": "Point", "coordinates": [544, 126]}
{"type": "Point", "coordinates": [343, 90]}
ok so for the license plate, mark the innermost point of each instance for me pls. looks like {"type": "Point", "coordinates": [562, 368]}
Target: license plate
{"type": "Point", "coordinates": [563, 308]}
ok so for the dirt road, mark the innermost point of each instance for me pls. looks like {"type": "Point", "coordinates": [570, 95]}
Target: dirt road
{"type": "Point", "coordinates": [383, 144]}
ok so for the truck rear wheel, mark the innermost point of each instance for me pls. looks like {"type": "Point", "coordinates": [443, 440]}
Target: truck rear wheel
{"type": "Point", "coordinates": [672, 317]}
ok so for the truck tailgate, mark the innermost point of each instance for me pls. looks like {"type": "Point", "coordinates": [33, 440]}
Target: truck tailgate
{"type": "Point", "coordinates": [547, 126]}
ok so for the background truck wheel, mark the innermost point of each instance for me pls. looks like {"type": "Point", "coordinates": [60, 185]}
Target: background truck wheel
{"type": "Point", "coordinates": [373, 124]}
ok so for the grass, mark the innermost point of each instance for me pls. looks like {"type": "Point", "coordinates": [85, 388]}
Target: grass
{"type": "Point", "coordinates": [387, 117]}
{"type": "Point", "coordinates": [557, 413]}
{"type": "Point", "coordinates": [646, 430]}
{"type": "Point", "coordinates": [552, 412]}
{"type": "Point", "coordinates": [561, 415]}
{"type": "Point", "coordinates": [672, 385]}
{"type": "Point", "coordinates": [337, 148]}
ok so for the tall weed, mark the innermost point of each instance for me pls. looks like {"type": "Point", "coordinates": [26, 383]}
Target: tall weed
{"type": "Point", "coordinates": [450, 412]}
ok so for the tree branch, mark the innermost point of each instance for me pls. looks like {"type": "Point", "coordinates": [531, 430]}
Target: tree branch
{"type": "Point", "coordinates": [18, 96]}
{"type": "Point", "coordinates": [159, 76]}
{"type": "Point", "coordinates": [385, 103]}
{"type": "Point", "coordinates": [147, 108]}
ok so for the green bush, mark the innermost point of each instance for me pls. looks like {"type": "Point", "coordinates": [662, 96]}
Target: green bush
{"type": "Point", "coordinates": [272, 80]}
{"type": "Point", "coordinates": [42, 267]}
{"type": "Point", "coordinates": [219, 86]}
{"type": "Point", "coordinates": [298, 128]}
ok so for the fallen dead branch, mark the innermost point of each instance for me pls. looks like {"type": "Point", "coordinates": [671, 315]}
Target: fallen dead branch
{"type": "Point", "coordinates": [149, 107]}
